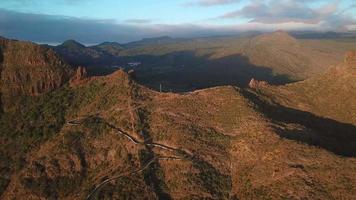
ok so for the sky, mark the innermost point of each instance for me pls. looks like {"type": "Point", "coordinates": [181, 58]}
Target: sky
{"type": "Point", "coordinates": [94, 21]}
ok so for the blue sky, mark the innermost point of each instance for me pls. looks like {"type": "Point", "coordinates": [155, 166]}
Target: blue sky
{"type": "Point", "coordinates": [159, 11]}
{"type": "Point", "coordinates": [23, 19]}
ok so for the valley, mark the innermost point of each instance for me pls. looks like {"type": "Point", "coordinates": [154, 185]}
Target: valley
{"type": "Point", "coordinates": [188, 64]}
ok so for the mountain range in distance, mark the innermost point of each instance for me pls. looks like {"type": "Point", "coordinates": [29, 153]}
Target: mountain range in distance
{"type": "Point", "coordinates": [267, 116]}
{"type": "Point", "coordinates": [183, 64]}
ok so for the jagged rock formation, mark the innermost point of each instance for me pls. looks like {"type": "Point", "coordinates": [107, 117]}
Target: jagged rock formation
{"type": "Point", "coordinates": [29, 69]}
{"type": "Point", "coordinates": [255, 84]}
{"type": "Point", "coordinates": [80, 75]}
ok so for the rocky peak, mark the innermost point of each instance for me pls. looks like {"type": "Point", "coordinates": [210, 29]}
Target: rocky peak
{"type": "Point", "coordinates": [72, 44]}
{"type": "Point", "coordinates": [79, 75]}
{"type": "Point", "coordinates": [255, 84]}
{"type": "Point", "coordinates": [110, 44]}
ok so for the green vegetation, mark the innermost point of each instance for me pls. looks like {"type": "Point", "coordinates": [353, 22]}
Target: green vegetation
{"type": "Point", "coordinates": [96, 126]}
{"type": "Point", "coordinates": [153, 175]}
{"type": "Point", "coordinates": [32, 121]}
{"type": "Point", "coordinates": [234, 143]}
{"type": "Point", "coordinates": [217, 184]}
{"type": "Point", "coordinates": [38, 117]}
{"type": "Point", "coordinates": [52, 188]}
{"type": "Point", "coordinates": [125, 188]}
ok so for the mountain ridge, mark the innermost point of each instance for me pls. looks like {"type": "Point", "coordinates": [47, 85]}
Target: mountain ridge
{"type": "Point", "coordinates": [328, 94]}
{"type": "Point", "coordinates": [218, 132]}
{"type": "Point", "coordinates": [224, 142]}
{"type": "Point", "coordinates": [29, 69]}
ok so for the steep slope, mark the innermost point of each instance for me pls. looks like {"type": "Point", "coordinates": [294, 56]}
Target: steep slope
{"type": "Point", "coordinates": [286, 55]}
{"type": "Point", "coordinates": [29, 69]}
{"type": "Point", "coordinates": [28, 75]}
{"type": "Point", "coordinates": [101, 59]}
{"type": "Point", "coordinates": [209, 144]}
{"type": "Point", "coordinates": [331, 94]}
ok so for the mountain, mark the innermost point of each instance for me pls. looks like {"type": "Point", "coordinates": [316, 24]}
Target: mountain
{"type": "Point", "coordinates": [27, 73]}
{"type": "Point", "coordinates": [112, 48]}
{"type": "Point", "coordinates": [331, 94]}
{"type": "Point", "coordinates": [77, 54]}
{"type": "Point", "coordinates": [72, 44]}
{"type": "Point", "coordinates": [323, 35]}
{"type": "Point", "coordinates": [275, 57]}
{"type": "Point", "coordinates": [276, 38]}
{"type": "Point", "coordinates": [285, 55]}
{"type": "Point", "coordinates": [109, 137]}
{"type": "Point", "coordinates": [30, 69]}
{"type": "Point", "coordinates": [189, 64]}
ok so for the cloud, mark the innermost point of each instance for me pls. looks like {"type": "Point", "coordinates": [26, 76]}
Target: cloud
{"type": "Point", "coordinates": [48, 28]}
{"type": "Point", "coordinates": [206, 3]}
{"type": "Point", "coordinates": [281, 11]}
{"type": "Point", "coordinates": [289, 11]}
{"type": "Point", "coordinates": [139, 21]}
{"type": "Point", "coordinates": [55, 29]}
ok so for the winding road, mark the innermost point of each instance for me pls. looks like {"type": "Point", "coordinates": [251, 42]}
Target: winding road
{"type": "Point", "coordinates": [128, 136]}
{"type": "Point", "coordinates": [80, 121]}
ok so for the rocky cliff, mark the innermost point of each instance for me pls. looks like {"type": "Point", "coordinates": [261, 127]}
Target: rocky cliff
{"type": "Point", "coordinates": [29, 69]}
{"type": "Point", "coordinates": [255, 84]}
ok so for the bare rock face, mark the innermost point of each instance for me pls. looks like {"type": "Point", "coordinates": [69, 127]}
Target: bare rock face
{"type": "Point", "coordinates": [255, 84]}
{"type": "Point", "coordinates": [350, 57]}
{"type": "Point", "coordinates": [30, 69]}
{"type": "Point", "coordinates": [80, 75]}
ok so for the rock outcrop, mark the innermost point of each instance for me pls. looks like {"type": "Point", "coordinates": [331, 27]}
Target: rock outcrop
{"type": "Point", "coordinates": [80, 75]}
{"type": "Point", "coordinates": [30, 69]}
{"type": "Point", "coordinates": [255, 84]}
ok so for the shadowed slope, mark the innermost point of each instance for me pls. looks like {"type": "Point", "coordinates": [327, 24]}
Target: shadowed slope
{"type": "Point", "coordinates": [278, 57]}
{"type": "Point", "coordinates": [332, 135]}
{"type": "Point", "coordinates": [331, 94]}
